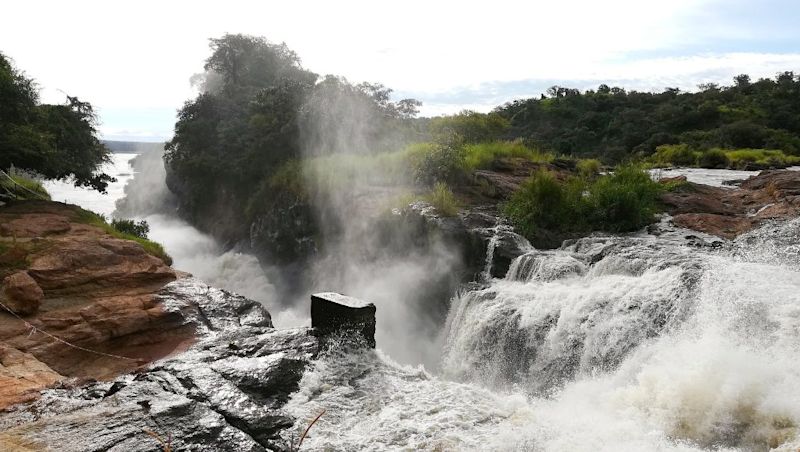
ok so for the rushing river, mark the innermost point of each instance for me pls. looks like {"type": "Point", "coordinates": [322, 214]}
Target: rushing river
{"type": "Point", "coordinates": [611, 343]}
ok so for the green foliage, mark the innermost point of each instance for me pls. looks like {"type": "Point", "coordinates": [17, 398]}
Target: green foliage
{"type": "Point", "coordinates": [625, 200]}
{"type": "Point", "coordinates": [588, 168]}
{"type": "Point", "coordinates": [139, 229]}
{"type": "Point", "coordinates": [683, 155]}
{"type": "Point", "coordinates": [614, 124]}
{"type": "Point", "coordinates": [674, 155]}
{"type": "Point", "coordinates": [152, 248]}
{"type": "Point", "coordinates": [483, 155]}
{"type": "Point", "coordinates": [260, 113]}
{"type": "Point", "coordinates": [741, 158]}
{"type": "Point", "coordinates": [442, 198]}
{"type": "Point", "coordinates": [713, 158]}
{"type": "Point", "coordinates": [468, 127]}
{"type": "Point", "coordinates": [443, 163]}
{"type": "Point", "coordinates": [544, 206]}
{"type": "Point", "coordinates": [55, 141]}
{"type": "Point", "coordinates": [23, 185]}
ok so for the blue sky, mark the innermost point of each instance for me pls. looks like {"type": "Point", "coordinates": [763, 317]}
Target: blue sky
{"type": "Point", "coordinates": [134, 62]}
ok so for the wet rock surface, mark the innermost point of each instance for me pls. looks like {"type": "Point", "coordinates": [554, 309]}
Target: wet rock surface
{"type": "Point", "coordinates": [335, 314]}
{"type": "Point", "coordinates": [224, 393]}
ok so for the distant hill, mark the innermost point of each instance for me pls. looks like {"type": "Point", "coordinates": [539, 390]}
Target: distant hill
{"type": "Point", "coordinates": [133, 147]}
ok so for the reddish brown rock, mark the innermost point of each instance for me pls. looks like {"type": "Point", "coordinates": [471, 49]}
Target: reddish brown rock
{"type": "Point", "coordinates": [22, 376]}
{"type": "Point", "coordinates": [727, 213]}
{"type": "Point", "coordinates": [21, 294]}
{"type": "Point", "coordinates": [93, 292]}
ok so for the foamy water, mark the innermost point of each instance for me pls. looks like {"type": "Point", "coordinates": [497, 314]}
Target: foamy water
{"type": "Point", "coordinates": [611, 344]}
{"type": "Point", "coordinates": [640, 346]}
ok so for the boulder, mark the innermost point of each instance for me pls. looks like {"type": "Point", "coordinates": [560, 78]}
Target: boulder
{"type": "Point", "coordinates": [22, 294]}
{"type": "Point", "coordinates": [334, 314]}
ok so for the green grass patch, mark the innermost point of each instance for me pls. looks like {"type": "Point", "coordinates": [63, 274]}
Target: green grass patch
{"type": "Point", "coordinates": [151, 247]}
{"type": "Point", "coordinates": [740, 158]}
{"type": "Point", "coordinates": [545, 207]}
{"type": "Point", "coordinates": [718, 158]}
{"type": "Point", "coordinates": [442, 198]}
{"type": "Point", "coordinates": [24, 186]}
{"type": "Point", "coordinates": [483, 155]}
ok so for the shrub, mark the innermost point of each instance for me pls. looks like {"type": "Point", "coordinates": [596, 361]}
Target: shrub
{"type": "Point", "coordinates": [588, 168]}
{"type": "Point", "coordinates": [139, 229]}
{"type": "Point", "coordinates": [442, 163]}
{"type": "Point", "coordinates": [674, 155]}
{"type": "Point", "coordinates": [714, 159]}
{"type": "Point", "coordinates": [443, 200]}
{"type": "Point", "coordinates": [625, 200]}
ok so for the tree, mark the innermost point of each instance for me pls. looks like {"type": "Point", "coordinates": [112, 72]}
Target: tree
{"type": "Point", "coordinates": [55, 141]}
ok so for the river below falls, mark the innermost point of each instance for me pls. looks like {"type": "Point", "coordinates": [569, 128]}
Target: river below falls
{"type": "Point", "coordinates": [611, 343]}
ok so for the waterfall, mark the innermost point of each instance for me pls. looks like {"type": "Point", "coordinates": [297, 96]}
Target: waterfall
{"type": "Point", "coordinates": [610, 343]}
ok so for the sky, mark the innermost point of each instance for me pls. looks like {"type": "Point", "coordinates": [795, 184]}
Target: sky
{"type": "Point", "coordinates": [133, 60]}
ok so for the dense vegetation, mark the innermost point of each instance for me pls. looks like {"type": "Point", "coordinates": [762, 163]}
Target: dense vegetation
{"type": "Point", "coordinates": [55, 141]}
{"type": "Point", "coordinates": [264, 129]}
{"type": "Point", "coordinates": [546, 210]}
{"type": "Point", "coordinates": [259, 110]}
{"type": "Point", "coordinates": [615, 125]}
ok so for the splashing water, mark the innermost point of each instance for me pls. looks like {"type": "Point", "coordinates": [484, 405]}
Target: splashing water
{"type": "Point", "coordinates": [617, 344]}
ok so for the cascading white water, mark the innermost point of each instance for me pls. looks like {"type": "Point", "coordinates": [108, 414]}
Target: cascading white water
{"type": "Point", "coordinates": [618, 344]}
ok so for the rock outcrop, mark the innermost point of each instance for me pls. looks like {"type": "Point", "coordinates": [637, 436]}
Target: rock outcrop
{"type": "Point", "coordinates": [333, 314]}
{"type": "Point", "coordinates": [224, 393]}
{"type": "Point", "coordinates": [78, 289]}
{"type": "Point", "coordinates": [21, 293]}
{"type": "Point", "coordinates": [728, 213]}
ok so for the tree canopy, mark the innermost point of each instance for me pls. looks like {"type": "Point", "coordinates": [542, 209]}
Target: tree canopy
{"type": "Point", "coordinates": [616, 124]}
{"type": "Point", "coordinates": [55, 141]}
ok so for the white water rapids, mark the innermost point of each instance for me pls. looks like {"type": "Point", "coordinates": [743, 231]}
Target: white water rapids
{"type": "Point", "coordinates": [611, 344]}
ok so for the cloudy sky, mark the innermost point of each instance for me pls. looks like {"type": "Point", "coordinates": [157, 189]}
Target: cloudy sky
{"type": "Point", "coordinates": [133, 60]}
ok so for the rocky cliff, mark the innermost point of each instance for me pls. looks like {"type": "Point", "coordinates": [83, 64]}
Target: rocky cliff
{"type": "Point", "coordinates": [105, 347]}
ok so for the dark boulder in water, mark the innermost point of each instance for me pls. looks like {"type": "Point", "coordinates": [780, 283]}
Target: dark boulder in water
{"type": "Point", "coordinates": [334, 314]}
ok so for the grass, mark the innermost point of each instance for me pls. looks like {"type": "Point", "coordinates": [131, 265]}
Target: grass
{"type": "Point", "coordinates": [483, 155]}
{"type": "Point", "coordinates": [24, 185]}
{"type": "Point", "coordinates": [683, 155]}
{"type": "Point", "coordinates": [442, 198]}
{"type": "Point", "coordinates": [545, 208]}
{"type": "Point", "coordinates": [151, 247]}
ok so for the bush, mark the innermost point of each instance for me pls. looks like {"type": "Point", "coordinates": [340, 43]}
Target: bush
{"type": "Point", "coordinates": [443, 200]}
{"type": "Point", "coordinates": [674, 155]}
{"type": "Point", "coordinates": [442, 163]}
{"type": "Point", "coordinates": [623, 201]}
{"type": "Point", "coordinates": [620, 202]}
{"type": "Point", "coordinates": [139, 229]}
{"type": "Point", "coordinates": [714, 159]}
{"type": "Point", "coordinates": [588, 168]}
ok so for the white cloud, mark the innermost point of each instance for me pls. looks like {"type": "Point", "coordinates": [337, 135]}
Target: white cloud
{"type": "Point", "coordinates": [143, 55]}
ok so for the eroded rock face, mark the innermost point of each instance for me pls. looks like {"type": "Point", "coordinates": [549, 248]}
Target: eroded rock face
{"type": "Point", "coordinates": [728, 213]}
{"type": "Point", "coordinates": [224, 393]}
{"type": "Point", "coordinates": [21, 293]}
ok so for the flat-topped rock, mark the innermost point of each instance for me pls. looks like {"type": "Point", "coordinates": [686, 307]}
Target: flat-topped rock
{"type": "Point", "coordinates": [334, 314]}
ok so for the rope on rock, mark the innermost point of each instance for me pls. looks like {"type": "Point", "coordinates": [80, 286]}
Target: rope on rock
{"type": "Point", "coordinates": [34, 329]}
